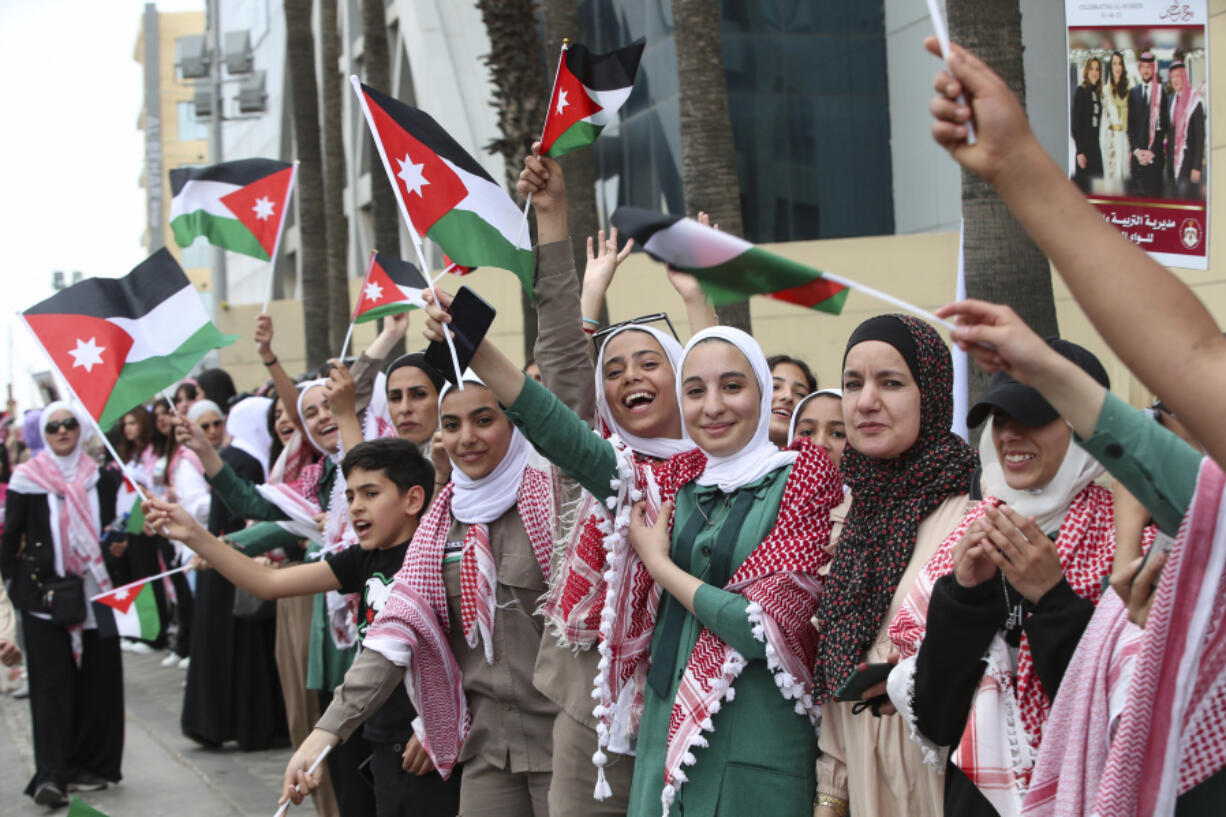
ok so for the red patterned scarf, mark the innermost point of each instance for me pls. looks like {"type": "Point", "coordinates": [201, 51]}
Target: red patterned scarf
{"type": "Point", "coordinates": [1000, 764]}
{"type": "Point", "coordinates": [414, 627]}
{"type": "Point", "coordinates": [780, 579]}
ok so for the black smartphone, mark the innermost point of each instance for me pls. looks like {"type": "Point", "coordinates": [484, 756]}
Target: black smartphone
{"type": "Point", "coordinates": [861, 679]}
{"type": "Point", "coordinates": [471, 317]}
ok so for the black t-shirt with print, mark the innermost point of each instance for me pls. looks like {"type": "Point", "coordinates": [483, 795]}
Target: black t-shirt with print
{"type": "Point", "coordinates": [370, 574]}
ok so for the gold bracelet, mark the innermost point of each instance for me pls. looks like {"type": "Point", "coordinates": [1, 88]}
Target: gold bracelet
{"type": "Point", "coordinates": [837, 804]}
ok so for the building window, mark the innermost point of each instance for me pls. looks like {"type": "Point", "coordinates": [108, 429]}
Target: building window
{"type": "Point", "coordinates": [189, 126]}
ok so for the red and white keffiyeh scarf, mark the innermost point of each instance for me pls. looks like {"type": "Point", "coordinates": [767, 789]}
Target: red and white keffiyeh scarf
{"type": "Point", "coordinates": [996, 756]}
{"type": "Point", "coordinates": [1183, 106]}
{"type": "Point", "coordinates": [413, 629]}
{"type": "Point", "coordinates": [1085, 715]}
{"type": "Point", "coordinates": [76, 537]}
{"type": "Point", "coordinates": [780, 579]}
{"type": "Point", "coordinates": [1172, 736]}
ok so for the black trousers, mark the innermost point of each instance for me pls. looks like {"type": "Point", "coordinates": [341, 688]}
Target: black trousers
{"type": "Point", "coordinates": [400, 794]}
{"type": "Point", "coordinates": [77, 712]}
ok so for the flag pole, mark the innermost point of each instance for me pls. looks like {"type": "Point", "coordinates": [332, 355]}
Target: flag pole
{"type": "Point", "coordinates": [528, 203]}
{"type": "Point", "coordinates": [110, 449]}
{"type": "Point", "coordinates": [938, 25]}
{"type": "Point", "coordinates": [314, 766]}
{"type": "Point", "coordinates": [889, 299]}
{"type": "Point", "coordinates": [272, 262]}
{"type": "Point", "coordinates": [404, 212]}
{"type": "Point", "coordinates": [162, 575]}
{"type": "Point", "coordinates": [370, 264]}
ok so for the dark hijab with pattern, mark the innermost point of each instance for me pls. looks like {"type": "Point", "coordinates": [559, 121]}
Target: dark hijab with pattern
{"type": "Point", "coordinates": [890, 497]}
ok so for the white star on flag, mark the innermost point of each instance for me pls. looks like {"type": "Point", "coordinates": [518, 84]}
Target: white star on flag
{"type": "Point", "coordinates": [562, 103]}
{"type": "Point", "coordinates": [263, 208]}
{"type": "Point", "coordinates": [120, 594]}
{"type": "Point", "coordinates": [87, 354]}
{"type": "Point", "coordinates": [411, 175]}
{"type": "Point", "coordinates": [373, 291]}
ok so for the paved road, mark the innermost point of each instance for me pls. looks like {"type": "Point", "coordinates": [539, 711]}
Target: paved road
{"type": "Point", "coordinates": [164, 772]}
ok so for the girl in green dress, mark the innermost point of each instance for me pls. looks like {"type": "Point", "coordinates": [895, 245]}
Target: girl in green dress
{"type": "Point", "coordinates": [717, 695]}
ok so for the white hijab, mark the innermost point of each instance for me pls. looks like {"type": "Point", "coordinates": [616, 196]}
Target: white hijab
{"type": "Point", "coordinates": [247, 426]}
{"type": "Point", "coordinates": [481, 501]}
{"type": "Point", "coordinates": [68, 462]}
{"type": "Point", "coordinates": [659, 447]}
{"type": "Point", "coordinates": [1049, 504]}
{"type": "Point", "coordinates": [303, 388]}
{"type": "Point", "coordinates": [800, 407]}
{"type": "Point", "coordinates": [759, 456]}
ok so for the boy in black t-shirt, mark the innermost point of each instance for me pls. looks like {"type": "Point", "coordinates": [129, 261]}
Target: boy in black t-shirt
{"type": "Point", "coordinates": [388, 485]}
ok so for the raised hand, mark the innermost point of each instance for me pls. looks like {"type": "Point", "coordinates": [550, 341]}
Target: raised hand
{"type": "Point", "coordinates": [263, 337]}
{"type": "Point", "coordinates": [1023, 553]}
{"type": "Point", "coordinates": [189, 433]}
{"type": "Point", "coordinates": [972, 567]}
{"type": "Point", "coordinates": [340, 390]}
{"type": "Point", "coordinates": [171, 520]}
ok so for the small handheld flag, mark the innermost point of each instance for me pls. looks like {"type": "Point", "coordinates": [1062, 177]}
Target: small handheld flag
{"type": "Point", "coordinates": [587, 93]}
{"type": "Point", "coordinates": [130, 611]}
{"type": "Point", "coordinates": [116, 341]}
{"type": "Point", "coordinates": [453, 267]}
{"type": "Point", "coordinates": [443, 192]}
{"type": "Point", "coordinates": [239, 206]}
{"type": "Point", "coordinates": [392, 286]}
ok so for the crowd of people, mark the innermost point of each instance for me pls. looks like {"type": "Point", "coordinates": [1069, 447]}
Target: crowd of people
{"type": "Point", "coordinates": [1147, 138]}
{"type": "Point", "coordinates": [642, 577]}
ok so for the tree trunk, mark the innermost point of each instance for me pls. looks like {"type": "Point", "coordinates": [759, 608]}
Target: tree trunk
{"type": "Point", "coordinates": [708, 157]}
{"type": "Point", "coordinates": [385, 213]}
{"type": "Point", "coordinates": [334, 179]}
{"type": "Point", "coordinates": [1002, 264]}
{"type": "Point", "coordinates": [579, 167]}
{"type": "Point", "coordinates": [515, 63]}
{"type": "Point", "coordinates": [304, 100]}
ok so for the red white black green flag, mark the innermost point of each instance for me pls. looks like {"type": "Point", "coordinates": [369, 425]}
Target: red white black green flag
{"type": "Point", "coordinates": [442, 190]}
{"type": "Point", "coordinates": [238, 206]}
{"type": "Point", "coordinates": [116, 341]}
{"type": "Point", "coordinates": [392, 286]}
{"type": "Point", "coordinates": [587, 92]}
{"type": "Point", "coordinates": [729, 269]}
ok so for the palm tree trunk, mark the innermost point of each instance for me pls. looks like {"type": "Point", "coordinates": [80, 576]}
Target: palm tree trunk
{"type": "Point", "coordinates": [579, 167]}
{"type": "Point", "coordinates": [1002, 263]}
{"type": "Point", "coordinates": [708, 157]}
{"type": "Point", "coordinates": [334, 179]}
{"type": "Point", "coordinates": [385, 213]}
{"type": "Point", "coordinates": [515, 64]}
{"type": "Point", "coordinates": [304, 100]}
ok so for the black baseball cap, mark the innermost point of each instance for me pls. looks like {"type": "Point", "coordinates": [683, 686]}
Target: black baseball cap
{"type": "Point", "coordinates": [1024, 403]}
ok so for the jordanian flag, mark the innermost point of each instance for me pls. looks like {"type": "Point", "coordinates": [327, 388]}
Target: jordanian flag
{"type": "Point", "coordinates": [446, 194]}
{"type": "Point", "coordinates": [454, 268]}
{"type": "Point", "coordinates": [392, 286]}
{"type": "Point", "coordinates": [238, 206]}
{"type": "Point", "coordinates": [133, 609]}
{"type": "Point", "coordinates": [728, 268]}
{"type": "Point", "coordinates": [587, 92]}
{"type": "Point", "coordinates": [118, 340]}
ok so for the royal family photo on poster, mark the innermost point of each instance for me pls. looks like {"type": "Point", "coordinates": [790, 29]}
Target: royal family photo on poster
{"type": "Point", "coordinates": [1138, 146]}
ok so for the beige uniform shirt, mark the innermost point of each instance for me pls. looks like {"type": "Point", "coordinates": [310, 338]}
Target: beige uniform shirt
{"type": "Point", "coordinates": [872, 762]}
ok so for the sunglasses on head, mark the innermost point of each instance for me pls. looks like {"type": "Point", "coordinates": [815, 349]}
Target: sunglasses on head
{"type": "Point", "coordinates": [656, 317]}
{"type": "Point", "coordinates": [69, 424]}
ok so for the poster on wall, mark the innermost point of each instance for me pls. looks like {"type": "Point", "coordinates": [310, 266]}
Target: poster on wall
{"type": "Point", "coordinates": [1138, 74]}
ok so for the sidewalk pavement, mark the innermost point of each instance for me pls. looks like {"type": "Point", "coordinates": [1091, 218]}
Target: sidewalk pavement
{"type": "Point", "coordinates": [163, 771]}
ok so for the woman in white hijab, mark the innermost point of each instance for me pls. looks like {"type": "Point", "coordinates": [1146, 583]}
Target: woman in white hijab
{"type": "Point", "coordinates": [740, 571]}
{"type": "Point", "coordinates": [58, 502]}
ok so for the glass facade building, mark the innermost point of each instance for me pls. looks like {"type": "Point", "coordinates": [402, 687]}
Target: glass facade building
{"type": "Point", "coordinates": [809, 105]}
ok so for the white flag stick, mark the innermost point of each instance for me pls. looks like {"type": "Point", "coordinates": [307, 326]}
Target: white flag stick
{"type": "Point", "coordinates": [345, 345]}
{"type": "Point", "coordinates": [272, 262]}
{"type": "Point", "coordinates": [404, 212]}
{"type": "Point", "coordinates": [162, 575]}
{"type": "Point", "coordinates": [938, 25]}
{"type": "Point", "coordinates": [528, 203]}
{"type": "Point", "coordinates": [889, 299]}
{"type": "Point", "coordinates": [310, 771]}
